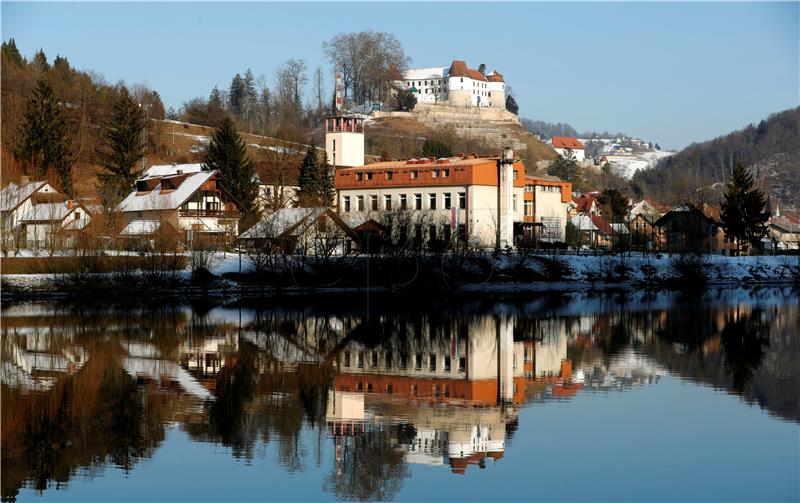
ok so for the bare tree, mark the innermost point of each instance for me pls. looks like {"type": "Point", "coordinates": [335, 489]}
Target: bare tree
{"type": "Point", "coordinates": [291, 79]}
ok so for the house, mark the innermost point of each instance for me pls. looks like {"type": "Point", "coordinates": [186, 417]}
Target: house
{"type": "Point", "coordinates": [546, 202]}
{"type": "Point", "coordinates": [649, 208]}
{"type": "Point", "coordinates": [585, 204]}
{"type": "Point", "coordinates": [563, 144]}
{"type": "Point", "coordinates": [456, 85]}
{"type": "Point", "coordinates": [691, 228]}
{"type": "Point", "coordinates": [786, 236]}
{"type": "Point", "coordinates": [189, 198]}
{"type": "Point", "coordinates": [35, 215]}
{"type": "Point", "coordinates": [595, 231]}
{"type": "Point", "coordinates": [304, 231]}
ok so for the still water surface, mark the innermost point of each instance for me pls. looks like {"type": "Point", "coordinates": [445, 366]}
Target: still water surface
{"type": "Point", "coordinates": [587, 397]}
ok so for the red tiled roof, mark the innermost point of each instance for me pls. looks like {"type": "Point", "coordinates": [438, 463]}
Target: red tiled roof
{"type": "Point", "coordinates": [495, 78]}
{"type": "Point", "coordinates": [567, 142]}
{"type": "Point", "coordinates": [584, 203]}
{"type": "Point", "coordinates": [459, 68]}
{"type": "Point", "coordinates": [601, 224]}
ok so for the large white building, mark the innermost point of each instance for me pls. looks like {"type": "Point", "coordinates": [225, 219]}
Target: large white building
{"type": "Point", "coordinates": [456, 85]}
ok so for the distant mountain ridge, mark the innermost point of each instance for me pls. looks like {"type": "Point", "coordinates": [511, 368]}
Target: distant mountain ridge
{"type": "Point", "coordinates": [771, 149]}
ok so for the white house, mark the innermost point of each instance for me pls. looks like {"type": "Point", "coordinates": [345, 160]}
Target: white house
{"type": "Point", "coordinates": [561, 144]}
{"type": "Point", "coordinates": [33, 214]}
{"type": "Point", "coordinates": [186, 196]}
{"type": "Point", "coordinates": [456, 85]}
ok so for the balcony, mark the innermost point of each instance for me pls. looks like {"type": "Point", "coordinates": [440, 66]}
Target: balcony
{"type": "Point", "coordinates": [208, 213]}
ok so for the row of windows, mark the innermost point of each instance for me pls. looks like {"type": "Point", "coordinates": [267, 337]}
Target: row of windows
{"type": "Point", "coordinates": [387, 203]}
{"type": "Point", "coordinates": [431, 361]}
{"type": "Point", "coordinates": [413, 174]}
{"type": "Point", "coordinates": [414, 390]}
{"type": "Point", "coordinates": [419, 83]}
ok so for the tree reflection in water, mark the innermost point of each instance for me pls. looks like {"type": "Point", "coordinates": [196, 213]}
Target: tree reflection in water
{"type": "Point", "coordinates": [270, 379]}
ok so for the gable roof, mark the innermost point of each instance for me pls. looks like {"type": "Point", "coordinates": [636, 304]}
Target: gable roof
{"type": "Point", "coordinates": [601, 224]}
{"type": "Point", "coordinates": [585, 204]}
{"type": "Point", "coordinates": [12, 195]}
{"type": "Point", "coordinates": [161, 197]}
{"type": "Point", "coordinates": [47, 212]}
{"type": "Point", "coordinates": [495, 76]}
{"type": "Point", "coordinates": [567, 142]}
{"type": "Point", "coordinates": [459, 68]}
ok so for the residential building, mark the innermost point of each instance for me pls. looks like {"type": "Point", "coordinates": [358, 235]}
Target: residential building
{"type": "Point", "coordinates": [546, 203]}
{"type": "Point", "coordinates": [315, 231]}
{"type": "Point", "coordinates": [689, 228]}
{"type": "Point", "coordinates": [35, 215]}
{"type": "Point", "coordinates": [563, 144]}
{"type": "Point", "coordinates": [187, 197]}
{"type": "Point", "coordinates": [785, 235]}
{"type": "Point", "coordinates": [595, 231]}
{"type": "Point", "coordinates": [456, 85]}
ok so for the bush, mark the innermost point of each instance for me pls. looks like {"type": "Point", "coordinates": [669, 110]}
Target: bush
{"type": "Point", "coordinates": [688, 271]}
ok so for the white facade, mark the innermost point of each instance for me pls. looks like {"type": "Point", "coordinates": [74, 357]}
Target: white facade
{"type": "Point", "coordinates": [577, 152]}
{"type": "Point", "coordinates": [455, 85]}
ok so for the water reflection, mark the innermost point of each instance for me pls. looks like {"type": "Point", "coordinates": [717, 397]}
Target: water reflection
{"type": "Point", "coordinates": [382, 391]}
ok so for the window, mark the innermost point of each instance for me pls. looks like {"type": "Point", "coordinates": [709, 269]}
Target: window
{"type": "Point", "coordinates": [359, 386]}
{"type": "Point", "coordinates": [447, 200]}
{"type": "Point", "coordinates": [373, 201]}
{"type": "Point", "coordinates": [347, 358]}
{"type": "Point", "coordinates": [388, 359]}
{"type": "Point", "coordinates": [403, 361]}
{"type": "Point", "coordinates": [435, 173]}
{"type": "Point", "coordinates": [462, 364]}
{"type": "Point", "coordinates": [528, 208]}
{"type": "Point", "coordinates": [418, 363]}
{"type": "Point", "coordinates": [432, 201]}
{"type": "Point", "coordinates": [369, 387]}
{"type": "Point", "coordinates": [360, 203]}
{"type": "Point", "coordinates": [369, 176]}
{"type": "Point", "coordinates": [390, 175]}
{"type": "Point", "coordinates": [387, 202]}
{"type": "Point", "coordinates": [414, 174]}
{"type": "Point", "coordinates": [374, 358]}
{"type": "Point", "coordinates": [447, 364]}
{"type": "Point", "coordinates": [413, 390]}
{"type": "Point", "coordinates": [446, 390]}
{"type": "Point", "coordinates": [417, 201]}
{"type": "Point", "coordinates": [432, 363]}
{"type": "Point", "coordinates": [515, 175]}
{"type": "Point", "coordinates": [403, 202]}
{"type": "Point", "coordinates": [514, 202]}
{"type": "Point", "coordinates": [445, 173]}
{"type": "Point", "coordinates": [346, 203]}
{"type": "Point", "coordinates": [359, 177]}
{"type": "Point", "coordinates": [389, 388]}
{"type": "Point", "coordinates": [462, 200]}
{"type": "Point", "coordinates": [361, 359]}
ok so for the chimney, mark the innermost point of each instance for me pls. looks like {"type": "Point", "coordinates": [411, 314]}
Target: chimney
{"type": "Point", "coordinates": [505, 193]}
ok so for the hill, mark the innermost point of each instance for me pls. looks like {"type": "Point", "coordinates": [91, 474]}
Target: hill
{"type": "Point", "coordinates": [480, 130]}
{"type": "Point", "coordinates": [771, 150]}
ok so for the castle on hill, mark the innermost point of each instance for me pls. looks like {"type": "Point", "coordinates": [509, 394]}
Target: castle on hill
{"type": "Point", "coordinates": [456, 85]}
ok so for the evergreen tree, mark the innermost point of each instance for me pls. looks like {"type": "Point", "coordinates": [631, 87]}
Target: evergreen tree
{"type": "Point", "coordinates": [511, 104]}
{"type": "Point", "coordinates": [227, 154]}
{"type": "Point", "coordinates": [250, 98]}
{"type": "Point", "coordinates": [236, 96]}
{"type": "Point", "coordinates": [40, 61]}
{"type": "Point", "coordinates": [309, 179]}
{"type": "Point", "coordinates": [123, 145]}
{"type": "Point", "coordinates": [566, 168]}
{"type": "Point", "coordinates": [744, 211]}
{"type": "Point", "coordinates": [61, 65]}
{"type": "Point", "coordinates": [614, 205]}
{"type": "Point", "coordinates": [10, 51]}
{"type": "Point", "coordinates": [216, 111]}
{"type": "Point", "coordinates": [45, 145]}
{"type": "Point", "coordinates": [434, 148]}
{"type": "Point", "coordinates": [327, 189]}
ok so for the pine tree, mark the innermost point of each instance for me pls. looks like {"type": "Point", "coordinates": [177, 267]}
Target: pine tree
{"type": "Point", "coordinates": [250, 98]}
{"type": "Point", "coordinates": [227, 154]}
{"type": "Point", "coordinates": [10, 51]}
{"type": "Point", "coordinates": [216, 112]}
{"type": "Point", "coordinates": [40, 61]}
{"type": "Point", "coordinates": [327, 189]}
{"type": "Point", "coordinates": [123, 145]}
{"type": "Point", "coordinates": [511, 104]}
{"type": "Point", "coordinates": [566, 168]}
{"type": "Point", "coordinates": [61, 65]}
{"type": "Point", "coordinates": [309, 179]}
{"type": "Point", "coordinates": [744, 213]}
{"type": "Point", "coordinates": [236, 96]}
{"type": "Point", "coordinates": [45, 145]}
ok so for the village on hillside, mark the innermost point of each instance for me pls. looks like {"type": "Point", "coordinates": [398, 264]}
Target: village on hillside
{"type": "Point", "coordinates": [341, 201]}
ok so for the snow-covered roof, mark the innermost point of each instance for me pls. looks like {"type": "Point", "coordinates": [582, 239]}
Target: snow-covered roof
{"type": "Point", "coordinates": [584, 223]}
{"type": "Point", "coordinates": [158, 199]}
{"type": "Point", "coordinates": [141, 228]}
{"type": "Point", "coordinates": [281, 221]}
{"type": "Point", "coordinates": [355, 218]}
{"type": "Point", "coordinates": [620, 228]}
{"type": "Point", "coordinates": [424, 73]}
{"type": "Point", "coordinates": [76, 224]}
{"type": "Point", "coordinates": [46, 212]}
{"type": "Point", "coordinates": [12, 195]}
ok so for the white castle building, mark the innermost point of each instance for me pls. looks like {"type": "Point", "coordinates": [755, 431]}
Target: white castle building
{"type": "Point", "coordinates": [457, 85]}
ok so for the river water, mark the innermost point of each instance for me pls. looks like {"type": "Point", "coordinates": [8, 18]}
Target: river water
{"type": "Point", "coordinates": [571, 396]}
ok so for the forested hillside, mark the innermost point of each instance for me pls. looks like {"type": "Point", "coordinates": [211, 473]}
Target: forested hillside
{"type": "Point", "coordinates": [771, 149]}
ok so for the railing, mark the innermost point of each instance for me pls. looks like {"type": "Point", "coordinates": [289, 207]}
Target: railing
{"type": "Point", "coordinates": [209, 213]}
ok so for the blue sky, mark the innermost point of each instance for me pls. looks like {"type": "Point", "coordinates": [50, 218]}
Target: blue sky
{"type": "Point", "coordinates": [667, 72]}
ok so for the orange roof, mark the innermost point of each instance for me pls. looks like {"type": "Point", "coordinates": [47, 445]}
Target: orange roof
{"type": "Point", "coordinates": [459, 68]}
{"type": "Point", "coordinates": [584, 203]}
{"type": "Point", "coordinates": [495, 76]}
{"type": "Point", "coordinates": [601, 224]}
{"type": "Point", "coordinates": [567, 142]}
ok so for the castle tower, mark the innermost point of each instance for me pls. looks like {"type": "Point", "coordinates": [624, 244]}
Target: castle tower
{"type": "Point", "coordinates": [344, 141]}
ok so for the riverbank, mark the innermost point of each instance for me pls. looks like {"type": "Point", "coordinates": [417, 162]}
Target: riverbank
{"type": "Point", "coordinates": [228, 274]}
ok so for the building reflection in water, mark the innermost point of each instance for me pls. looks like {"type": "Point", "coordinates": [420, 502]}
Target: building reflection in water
{"type": "Point", "coordinates": [82, 391]}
